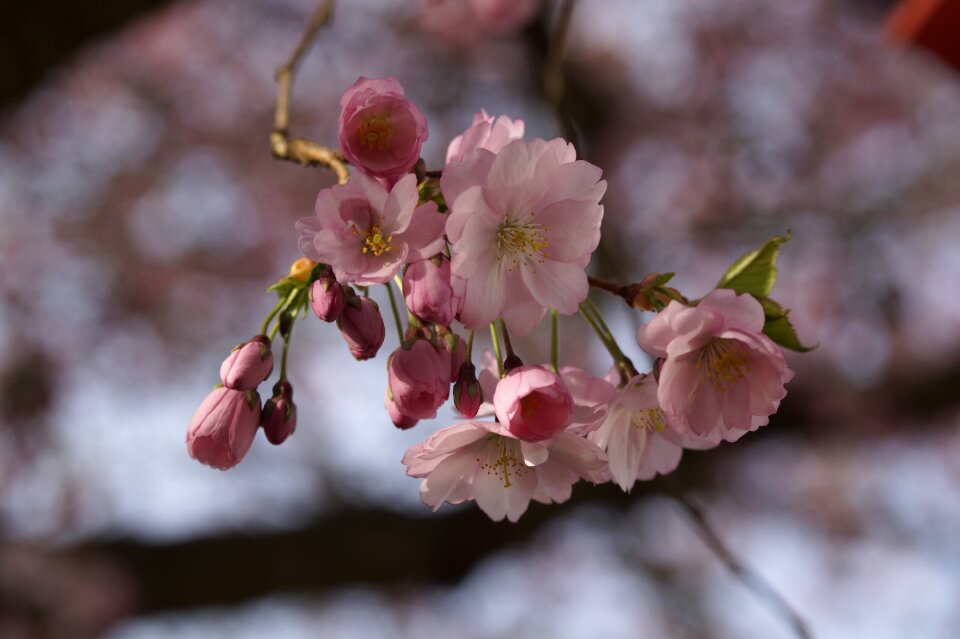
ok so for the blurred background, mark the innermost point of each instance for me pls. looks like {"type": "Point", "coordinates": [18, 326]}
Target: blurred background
{"type": "Point", "coordinates": [142, 216]}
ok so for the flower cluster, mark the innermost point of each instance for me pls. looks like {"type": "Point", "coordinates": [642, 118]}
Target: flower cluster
{"type": "Point", "coordinates": [502, 236]}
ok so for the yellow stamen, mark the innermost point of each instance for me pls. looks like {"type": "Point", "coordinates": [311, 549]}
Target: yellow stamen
{"type": "Point", "coordinates": [724, 361]}
{"type": "Point", "coordinates": [375, 131]}
{"type": "Point", "coordinates": [521, 242]}
{"type": "Point", "coordinates": [506, 461]}
{"type": "Point", "coordinates": [649, 419]}
{"type": "Point", "coordinates": [375, 242]}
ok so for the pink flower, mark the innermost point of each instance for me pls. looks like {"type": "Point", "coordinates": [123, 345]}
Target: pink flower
{"type": "Point", "coordinates": [484, 461]}
{"type": "Point", "coordinates": [721, 376]}
{"type": "Point", "coordinates": [248, 364]}
{"type": "Point", "coordinates": [326, 297]}
{"type": "Point", "coordinates": [381, 131]}
{"type": "Point", "coordinates": [366, 234]}
{"type": "Point", "coordinates": [401, 421]}
{"type": "Point", "coordinates": [533, 403]}
{"type": "Point", "coordinates": [464, 22]}
{"type": "Point", "coordinates": [427, 290]}
{"type": "Point", "coordinates": [591, 398]}
{"type": "Point", "coordinates": [222, 429]}
{"type": "Point", "coordinates": [279, 414]}
{"type": "Point", "coordinates": [361, 327]}
{"type": "Point", "coordinates": [523, 225]}
{"type": "Point", "coordinates": [636, 435]}
{"type": "Point", "coordinates": [486, 132]}
{"type": "Point", "coordinates": [419, 379]}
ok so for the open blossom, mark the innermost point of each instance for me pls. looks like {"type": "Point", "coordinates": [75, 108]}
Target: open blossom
{"type": "Point", "coordinates": [721, 376]}
{"type": "Point", "coordinates": [381, 131]}
{"type": "Point", "coordinates": [367, 234]}
{"type": "Point", "coordinates": [636, 435]}
{"type": "Point", "coordinates": [523, 225]}
{"type": "Point", "coordinates": [222, 429]}
{"type": "Point", "coordinates": [419, 379]}
{"type": "Point", "coordinates": [486, 132]}
{"type": "Point", "coordinates": [533, 403]}
{"type": "Point", "coordinates": [484, 461]}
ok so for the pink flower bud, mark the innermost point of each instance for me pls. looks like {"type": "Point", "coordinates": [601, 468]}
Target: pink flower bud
{"type": "Point", "coordinates": [467, 394]}
{"type": "Point", "coordinates": [419, 379]}
{"type": "Point", "coordinates": [504, 16]}
{"type": "Point", "coordinates": [427, 290]}
{"type": "Point", "coordinates": [326, 297]}
{"type": "Point", "coordinates": [279, 414]}
{"type": "Point", "coordinates": [401, 421]}
{"type": "Point", "coordinates": [362, 327]}
{"type": "Point", "coordinates": [381, 131]}
{"type": "Point", "coordinates": [248, 364]}
{"type": "Point", "coordinates": [533, 403]}
{"type": "Point", "coordinates": [223, 427]}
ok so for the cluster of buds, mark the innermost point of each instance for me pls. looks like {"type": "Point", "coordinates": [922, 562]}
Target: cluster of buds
{"type": "Point", "coordinates": [499, 241]}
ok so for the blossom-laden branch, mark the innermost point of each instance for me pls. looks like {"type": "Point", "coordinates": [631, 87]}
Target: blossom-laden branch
{"type": "Point", "coordinates": [282, 145]}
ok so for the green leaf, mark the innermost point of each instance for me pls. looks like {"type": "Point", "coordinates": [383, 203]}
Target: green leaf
{"type": "Point", "coordinates": [755, 272]}
{"type": "Point", "coordinates": [781, 331]}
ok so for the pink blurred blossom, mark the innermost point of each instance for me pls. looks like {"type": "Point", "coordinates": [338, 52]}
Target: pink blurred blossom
{"type": "Point", "coordinates": [721, 377]}
{"type": "Point", "coordinates": [361, 327]}
{"type": "Point", "coordinates": [465, 22]}
{"type": "Point", "coordinates": [533, 403]}
{"type": "Point", "coordinates": [419, 379]}
{"type": "Point", "coordinates": [523, 225]}
{"type": "Point", "coordinates": [428, 292]}
{"type": "Point", "coordinates": [366, 234]}
{"type": "Point", "coordinates": [484, 461]}
{"type": "Point", "coordinates": [636, 435]}
{"type": "Point", "coordinates": [381, 131]}
{"type": "Point", "coordinates": [248, 364]}
{"type": "Point", "coordinates": [222, 429]}
{"type": "Point", "coordinates": [486, 132]}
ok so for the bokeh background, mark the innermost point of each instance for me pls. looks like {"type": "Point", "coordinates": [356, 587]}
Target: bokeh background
{"type": "Point", "coordinates": [142, 217]}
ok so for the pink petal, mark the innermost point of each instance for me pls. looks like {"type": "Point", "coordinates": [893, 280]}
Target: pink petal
{"type": "Point", "coordinates": [557, 285]}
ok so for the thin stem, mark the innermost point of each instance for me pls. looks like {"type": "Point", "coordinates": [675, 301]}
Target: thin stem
{"type": "Point", "coordinates": [470, 345]}
{"type": "Point", "coordinates": [271, 315]}
{"type": "Point", "coordinates": [599, 317]}
{"type": "Point", "coordinates": [554, 340]}
{"type": "Point", "coordinates": [283, 355]}
{"type": "Point", "coordinates": [496, 348]}
{"type": "Point", "coordinates": [506, 339]}
{"type": "Point", "coordinates": [754, 582]}
{"type": "Point", "coordinates": [396, 313]}
{"type": "Point", "coordinates": [622, 362]}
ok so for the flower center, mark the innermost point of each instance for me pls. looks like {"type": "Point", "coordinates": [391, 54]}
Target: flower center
{"type": "Point", "coordinates": [648, 419]}
{"type": "Point", "coordinates": [505, 461]}
{"type": "Point", "coordinates": [724, 360]}
{"type": "Point", "coordinates": [521, 242]}
{"type": "Point", "coordinates": [376, 242]}
{"type": "Point", "coordinates": [374, 132]}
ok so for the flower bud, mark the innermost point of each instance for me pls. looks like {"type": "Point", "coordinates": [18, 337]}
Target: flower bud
{"type": "Point", "coordinates": [279, 414]}
{"type": "Point", "coordinates": [428, 292]}
{"type": "Point", "coordinates": [248, 364]}
{"type": "Point", "coordinates": [326, 297]}
{"type": "Point", "coordinates": [223, 427]}
{"type": "Point", "coordinates": [362, 327]}
{"type": "Point", "coordinates": [467, 394]}
{"type": "Point", "coordinates": [300, 270]}
{"type": "Point", "coordinates": [419, 379]}
{"type": "Point", "coordinates": [401, 421]}
{"type": "Point", "coordinates": [533, 403]}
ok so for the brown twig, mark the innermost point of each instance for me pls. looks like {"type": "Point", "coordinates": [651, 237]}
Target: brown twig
{"type": "Point", "coordinates": [282, 145]}
{"type": "Point", "coordinates": [754, 582]}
